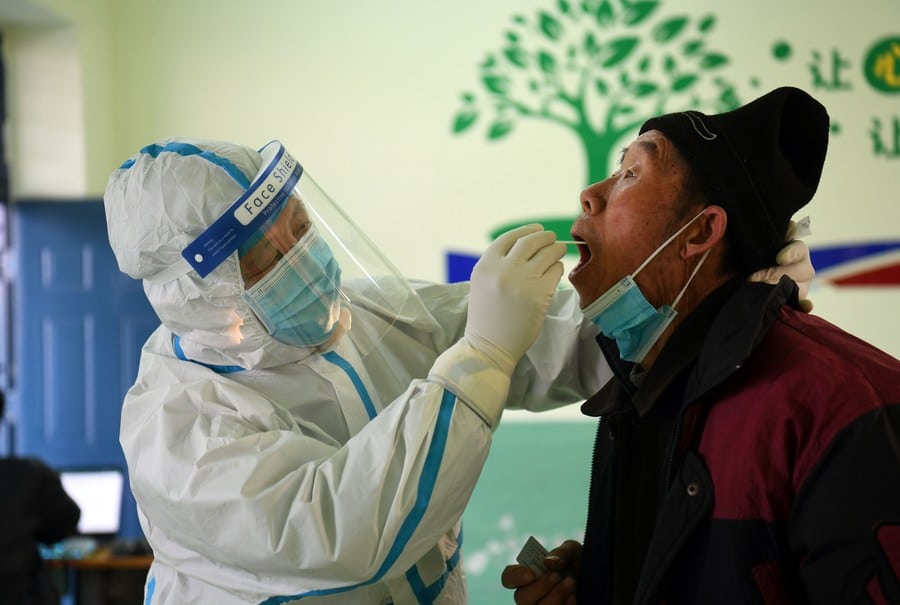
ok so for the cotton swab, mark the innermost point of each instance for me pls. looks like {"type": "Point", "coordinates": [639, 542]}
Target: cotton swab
{"type": "Point", "coordinates": [574, 243]}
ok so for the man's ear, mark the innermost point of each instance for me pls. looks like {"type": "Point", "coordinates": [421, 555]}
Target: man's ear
{"type": "Point", "coordinates": [707, 231]}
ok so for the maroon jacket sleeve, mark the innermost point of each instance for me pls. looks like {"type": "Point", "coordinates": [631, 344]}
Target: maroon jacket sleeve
{"type": "Point", "coordinates": [846, 518]}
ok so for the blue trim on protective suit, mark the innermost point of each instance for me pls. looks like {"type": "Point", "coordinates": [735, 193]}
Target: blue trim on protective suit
{"type": "Point", "coordinates": [186, 149]}
{"type": "Point", "coordinates": [433, 460]}
{"type": "Point", "coordinates": [151, 588]}
{"type": "Point", "coordinates": [179, 353]}
{"type": "Point", "coordinates": [343, 364]}
{"type": "Point", "coordinates": [426, 595]}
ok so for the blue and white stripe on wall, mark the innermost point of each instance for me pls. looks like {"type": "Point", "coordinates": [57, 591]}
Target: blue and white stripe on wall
{"type": "Point", "coordinates": [873, 263]}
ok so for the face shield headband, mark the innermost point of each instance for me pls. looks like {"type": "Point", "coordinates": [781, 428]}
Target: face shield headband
{"type": "Point", "coordinates": [243, 220]}
{"type": "Point", "coordinates": [266, 195]}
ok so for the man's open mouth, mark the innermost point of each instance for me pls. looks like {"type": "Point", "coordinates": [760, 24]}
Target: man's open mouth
{"type": "Point", "coordinates": [584, 252]}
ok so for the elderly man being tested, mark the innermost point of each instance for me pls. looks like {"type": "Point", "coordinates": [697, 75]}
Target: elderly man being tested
{"type": "Point", "coordinates": [747, 451]}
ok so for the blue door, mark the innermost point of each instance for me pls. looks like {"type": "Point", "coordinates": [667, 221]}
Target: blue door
{"type": "Point", "coordinates": [78, 327]}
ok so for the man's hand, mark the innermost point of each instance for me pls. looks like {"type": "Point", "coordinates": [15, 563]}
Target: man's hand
{"type": "Point", "coordinates": [556, 587]}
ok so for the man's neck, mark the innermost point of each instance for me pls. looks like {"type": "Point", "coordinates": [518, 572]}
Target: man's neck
{"type": "Point", "coordinates": [696, 293]}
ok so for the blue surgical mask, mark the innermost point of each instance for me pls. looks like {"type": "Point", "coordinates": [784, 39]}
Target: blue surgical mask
{"type": "Point", "coordinates": [298, 300]}
{"type": "Point", "coordinates": [624, 314]}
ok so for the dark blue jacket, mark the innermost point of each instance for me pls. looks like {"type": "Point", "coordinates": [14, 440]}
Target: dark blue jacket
{"type": "Point", "coordinates": [34, 509]}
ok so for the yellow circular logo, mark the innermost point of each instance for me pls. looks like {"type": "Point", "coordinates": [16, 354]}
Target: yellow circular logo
{"type": "Point", "coordinates": [882, 65]}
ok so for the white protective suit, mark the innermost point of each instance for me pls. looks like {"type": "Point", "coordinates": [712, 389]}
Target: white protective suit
{"type": "Point", "coordinates": [266, 473]}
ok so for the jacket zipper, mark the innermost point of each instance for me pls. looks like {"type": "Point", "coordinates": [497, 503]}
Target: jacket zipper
{"type": "Point", "coordinates": [670, 455]}
{"type": "Point", "coordinates": [590, 498]}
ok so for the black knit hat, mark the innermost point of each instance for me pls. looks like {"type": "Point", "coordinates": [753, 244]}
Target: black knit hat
{"type": "Point", "coordinates": [761, 162]}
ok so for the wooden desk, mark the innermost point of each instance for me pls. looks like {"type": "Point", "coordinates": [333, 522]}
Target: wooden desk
{"type": "Point", "coordinates": [104, 562]}
{"type": "Point", "coordinates": [103, 578]}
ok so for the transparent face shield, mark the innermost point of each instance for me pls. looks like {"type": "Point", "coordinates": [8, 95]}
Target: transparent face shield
{"type": "Point", "coordinates": [307, 269]}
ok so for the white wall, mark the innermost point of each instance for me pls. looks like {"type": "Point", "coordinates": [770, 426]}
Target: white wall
{"type": "Point", "coordinates": [46, 113]}
{"type": "Point", "coordinates": [364, 94]}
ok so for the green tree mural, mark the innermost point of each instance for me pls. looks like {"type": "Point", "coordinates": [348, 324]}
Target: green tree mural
{"type": "Point", "coordinates": [599, 68]}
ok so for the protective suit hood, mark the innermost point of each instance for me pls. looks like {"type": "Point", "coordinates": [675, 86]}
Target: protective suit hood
{"type": "Point", "coordinates": [157, 203]}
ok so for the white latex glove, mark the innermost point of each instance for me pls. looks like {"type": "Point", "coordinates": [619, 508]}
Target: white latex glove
{"type": "Point", "coordinates": [510, 291]}
{"type": "Point", "coordinates": [793, 260]}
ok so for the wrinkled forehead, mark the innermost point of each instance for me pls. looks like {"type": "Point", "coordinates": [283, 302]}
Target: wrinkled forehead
{"type": "Point", "coordinates": [652, 146]}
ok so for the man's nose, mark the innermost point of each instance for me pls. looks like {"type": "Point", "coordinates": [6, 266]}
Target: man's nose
{"type": "Point", "coordinates": [593, 198]}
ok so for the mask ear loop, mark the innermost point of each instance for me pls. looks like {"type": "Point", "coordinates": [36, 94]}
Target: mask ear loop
{"type": "Point", "coordinates": [666, 243]}
{"type": "Point", "coordinates": [690, 279]}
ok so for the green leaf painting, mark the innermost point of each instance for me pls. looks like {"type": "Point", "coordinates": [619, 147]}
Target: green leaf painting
{"type": "Point", "coordinates": [598, 68]}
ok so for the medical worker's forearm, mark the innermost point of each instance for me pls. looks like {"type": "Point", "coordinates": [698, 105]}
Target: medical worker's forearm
{"type": "Point", "coordinates": [474, 378]}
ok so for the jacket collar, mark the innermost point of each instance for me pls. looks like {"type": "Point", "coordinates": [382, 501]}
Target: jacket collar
{"type": "Point", "coordinates": [737, 330]}
{"type": "Point", "coordinates": [719, 335]}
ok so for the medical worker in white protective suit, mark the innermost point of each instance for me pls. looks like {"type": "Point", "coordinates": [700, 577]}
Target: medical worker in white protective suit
{"type": "Point", "coordinates": [306, 425]}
